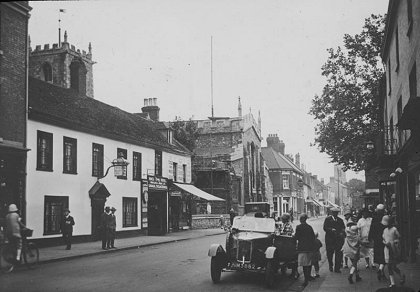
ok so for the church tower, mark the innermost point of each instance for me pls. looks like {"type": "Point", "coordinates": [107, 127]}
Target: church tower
{"type": "Point", "coordinates": [63, 66]}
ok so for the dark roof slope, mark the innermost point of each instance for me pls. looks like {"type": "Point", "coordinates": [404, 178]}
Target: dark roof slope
{"type": "Point", "coordinates": [66, 108]}
{"type": "Point", "coordinates": [276, 160]}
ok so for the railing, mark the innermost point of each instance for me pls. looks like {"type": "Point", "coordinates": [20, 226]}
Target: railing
{"type": "Point", "coordinates": [394, 139]}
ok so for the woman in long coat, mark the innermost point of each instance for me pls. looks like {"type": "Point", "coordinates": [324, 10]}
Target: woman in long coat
{"type": "Point", "coordinates": [351, 250]}
{"type": "Point", "coordinates": [375, 234]}
{"type": "Point", "coordinates": [305, 237]}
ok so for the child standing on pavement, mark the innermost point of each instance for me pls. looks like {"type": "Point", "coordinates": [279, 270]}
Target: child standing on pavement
{"type": "Point", "coordinates": [316, 257]}
{"type": "Point", "coordinates": [392, 250]}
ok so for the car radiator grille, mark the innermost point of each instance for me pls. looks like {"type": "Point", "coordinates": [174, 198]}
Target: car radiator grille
{"type": "Point", "coordinates": [244, 250]}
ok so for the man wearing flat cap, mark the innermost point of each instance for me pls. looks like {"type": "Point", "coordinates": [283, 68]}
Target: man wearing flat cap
{"type": "Point", "coordinates": [106, 227]}
{"type": "Point", "coordinates": [67, 223]}
{"type": "Point", "coordinates": [334, 239]}
{"type": "Point", "coordinates": [113, 227]}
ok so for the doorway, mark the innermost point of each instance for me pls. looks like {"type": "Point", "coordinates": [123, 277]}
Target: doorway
{"type": "Point", "coordinates": [98, 195]}
{"type": "Point", "coordinates": [157, 213]}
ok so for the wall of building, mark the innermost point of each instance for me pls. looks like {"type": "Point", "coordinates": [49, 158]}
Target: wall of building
{"type": "Point", "coordinates": [77, 186]}
{"type": "Point", "coordinates": [13, 79]}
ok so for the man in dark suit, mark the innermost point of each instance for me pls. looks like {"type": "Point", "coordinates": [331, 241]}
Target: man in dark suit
{"type": "Point", "coordinates": [334, 239]}
{"type": "Point", "coordinates": [106, 227]}
{"type": "Point", "coordinates": [113, 227]}
{"type": "Point", "coordinates": [67, 223]}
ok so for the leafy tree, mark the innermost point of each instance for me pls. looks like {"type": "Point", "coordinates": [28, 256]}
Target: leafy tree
{"type": "Point", "coordinates": [356, 186]}
{"type": "Point", "coordinates": [347, 110]}
{"type": "Point", "coordinates": [185, 132]}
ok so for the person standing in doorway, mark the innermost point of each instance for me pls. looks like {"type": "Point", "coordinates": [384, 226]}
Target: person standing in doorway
{"type": "Point", "coordinates": [105, 227]}
{"type": "Point", "coordinates": [113, 228]}
{"type": "Point", "coordinates": [67, 224]}
{"type": "Point", "coordinates": [334, 239]}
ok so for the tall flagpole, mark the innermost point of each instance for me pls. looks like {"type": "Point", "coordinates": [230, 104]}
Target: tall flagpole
{"type": "Point", "coordinates": [211, 77]}
{"type": "Point", "coordinates": [59, 28]}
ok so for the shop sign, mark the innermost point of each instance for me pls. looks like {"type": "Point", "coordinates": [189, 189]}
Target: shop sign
{"type": "Point", "coordinates": [157, 183]}
{"type": "Point", "coordinates": [175, 193]}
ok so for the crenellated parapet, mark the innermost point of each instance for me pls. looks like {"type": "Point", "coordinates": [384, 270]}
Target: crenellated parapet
{"type": "Point", "coordinates": [64, 65]}
{"type": "Point", "coordinates": [65, 47]}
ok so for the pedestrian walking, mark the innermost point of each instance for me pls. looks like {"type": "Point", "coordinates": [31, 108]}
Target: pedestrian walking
{"type": "Point", "coordinates": [291, 214]}
{"type": "Point", "coordinates": [366, 248]}
{"type": "Point", "coordinates": [67, 224]}
{"type": "Point", "coordinates": [113, 228]}
{"type": "Point", "coordinates": [14, 226]}
{"type": "Point", "coordinates": [347, 219]}
{"type": "Point", "coordinates": [316, 257]}
{"type": "Point", "coordinates": [305, 237]}
{"type": "Point", "coordinates": [351, 250]}
{"type": "Point", "coordinates": [334, 240]}
{"type": "Point", "coordinates": [232, 215]}
{"type": "Point", "coordinates": [375, 235]}
{"type": "Point", "coordinates": [286, 229]}
{"type": "Point", "coordinates": [105, 227]}
{"type": "Point", "coordinates": [392, 250]}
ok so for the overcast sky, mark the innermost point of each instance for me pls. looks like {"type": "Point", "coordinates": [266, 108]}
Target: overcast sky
{"type": "Point", "coordinates": [269, 53]}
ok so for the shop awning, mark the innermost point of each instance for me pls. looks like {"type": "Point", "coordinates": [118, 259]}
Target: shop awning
{"type": "Point", "coordinates": [197, 192]}
{"type": "Point", "coordinates": [334, 205]}
{"type": "Point", "coordinates": [318, 203]}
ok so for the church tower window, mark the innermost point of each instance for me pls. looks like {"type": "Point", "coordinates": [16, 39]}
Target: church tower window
{"type": "Point", "coordinates": [47, 72]}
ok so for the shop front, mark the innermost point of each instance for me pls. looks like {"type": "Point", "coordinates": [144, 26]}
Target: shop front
{"type": "Point", "coordinates": [155, 201]}
{"type": "Point", "coordinates": [187, 203]}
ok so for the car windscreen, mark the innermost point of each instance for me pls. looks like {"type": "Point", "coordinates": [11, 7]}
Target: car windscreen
{"type": "Point", "coordinates": [247, 223]}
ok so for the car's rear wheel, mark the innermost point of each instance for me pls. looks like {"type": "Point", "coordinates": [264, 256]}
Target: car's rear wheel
{"type": "Point", "coordinates": [215, 269]}
{"type": "Point", "coordinates": [269, 273]}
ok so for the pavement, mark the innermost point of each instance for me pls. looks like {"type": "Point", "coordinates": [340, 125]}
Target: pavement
{"type": "Point", "coordinates": [59, 253]}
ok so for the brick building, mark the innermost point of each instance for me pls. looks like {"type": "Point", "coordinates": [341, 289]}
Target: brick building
{"type": "Point", "coordinates": [227, 159]}
{"type": "Point", "coordinates": [398, 155]}
{"type": "Point", "coordinates": [286, 177]}
{"type": "Point", "coordinates": [13, 103]}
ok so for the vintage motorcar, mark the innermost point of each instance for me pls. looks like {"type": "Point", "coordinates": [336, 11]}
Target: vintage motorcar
{"type": "Point", "coordinates": [252, 244]}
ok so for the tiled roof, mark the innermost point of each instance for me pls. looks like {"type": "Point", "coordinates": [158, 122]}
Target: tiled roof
{"type": "Point", "coordinates": [63, 107]}
{"type": "Point", "coordinates": [276, 160]}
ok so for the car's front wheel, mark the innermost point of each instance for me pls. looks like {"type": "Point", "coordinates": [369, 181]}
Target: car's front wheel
{"type": "Point", "coordinates": [215, 269]}
{"type": "Point", "coordinates": [270, 273]}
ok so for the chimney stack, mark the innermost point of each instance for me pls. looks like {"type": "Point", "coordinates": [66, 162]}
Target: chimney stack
{"type": "Point", "coordinates": [297, 160]}
{"type": "Point", "coordinates": [274, 142]}
{"type": "Point", "coordinates": [150, 107]}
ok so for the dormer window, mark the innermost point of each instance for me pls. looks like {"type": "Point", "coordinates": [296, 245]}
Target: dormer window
{"type": "Point", "coordinates": [46, 72]}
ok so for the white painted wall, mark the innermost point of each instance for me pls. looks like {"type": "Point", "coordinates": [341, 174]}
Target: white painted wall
{"type": "Point", "coordinates": [77, 186]}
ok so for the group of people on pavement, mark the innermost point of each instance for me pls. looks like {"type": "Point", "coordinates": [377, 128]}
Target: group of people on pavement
{"type": "Point", "coordinates": [372, 235]}
{"type": "Point", "coordinates": [108, 228]}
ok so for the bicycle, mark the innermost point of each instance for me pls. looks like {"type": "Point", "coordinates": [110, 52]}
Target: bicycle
{"type": "Point", "coordinates": [30, 253]}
